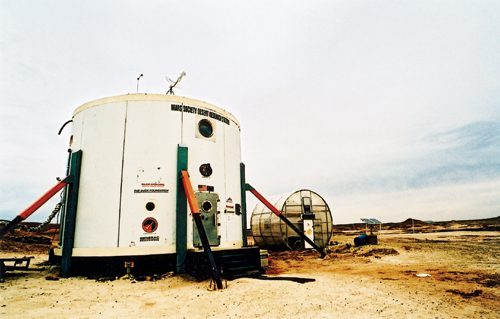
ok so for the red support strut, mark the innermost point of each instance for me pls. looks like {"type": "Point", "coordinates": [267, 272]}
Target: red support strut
{"type": "Point", "coordinates": [43, 199]}
{"type": "Point", "coordinates": [188, 189]}
{"type": "Point", "coordinates": [195, 210]}
{"type": "Point", "coordinates": [34, 207]}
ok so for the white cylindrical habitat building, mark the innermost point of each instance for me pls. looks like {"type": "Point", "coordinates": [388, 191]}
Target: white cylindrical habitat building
{"type": "Point", "coordinates": [127, 194]}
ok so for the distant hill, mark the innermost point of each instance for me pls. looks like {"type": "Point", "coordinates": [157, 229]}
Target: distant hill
{"type": "Point", "coordinates": [471, 224]}
{"type": "Point", "coordinates": [413, 222]}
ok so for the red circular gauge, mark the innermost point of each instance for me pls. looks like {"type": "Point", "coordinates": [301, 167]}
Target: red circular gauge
{"type": "Point", "coordinates": [149, 225]}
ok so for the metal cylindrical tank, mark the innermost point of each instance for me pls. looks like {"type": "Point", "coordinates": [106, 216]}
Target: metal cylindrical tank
{"type": "Point", "coordinates": [305, 208]}
{"type": "Point", "coordinates": [129, 174]}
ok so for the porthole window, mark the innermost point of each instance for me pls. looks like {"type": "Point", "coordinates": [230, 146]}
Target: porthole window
{"type": "Point", "coordinates": [206, 206]}
{"type": "Point", "coordinates": [150, 206]}
{"type": "Point", "coordinates": [206, 170]}
{"type": "Point", "coordinates": [205, 128]}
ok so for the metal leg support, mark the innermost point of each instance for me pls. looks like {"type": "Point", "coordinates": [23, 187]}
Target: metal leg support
{"type": "Point", "coordinates": [195, 211]}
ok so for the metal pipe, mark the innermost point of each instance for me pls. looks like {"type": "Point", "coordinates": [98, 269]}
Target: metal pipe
{"type": "Point", "coordinates": [284, 219]}
{"type": "Point", "coordinates": [63, 126]}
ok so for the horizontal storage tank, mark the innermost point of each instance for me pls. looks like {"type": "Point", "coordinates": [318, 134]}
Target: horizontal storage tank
{"type": "Point", "coordinates": [129, 175]}
{"type": "Point", "coordinates": [307, 210]}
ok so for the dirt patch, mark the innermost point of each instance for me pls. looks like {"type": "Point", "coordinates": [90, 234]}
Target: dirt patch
{"type": "Point", "coordinates": [488, 280]}
{"type": "Point", "coordinates": [22, 247]}
{"type": "Point", "coordinates": [379, 252]}
{"type": "Point", "coordinates": [342, 248]}
{"type": "Point", "coordinates": [387, 278]}
{"type": "Point", "coordinates": [483, 279]}
{"type": "Point", "coordinates": [31, 239]}
{"type": "Point", "coordinates": [464, 294]}
{"type": "Point", "coordinates": [408, 248]}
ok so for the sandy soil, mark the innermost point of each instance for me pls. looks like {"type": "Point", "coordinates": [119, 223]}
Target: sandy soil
{"type": "Point", "coordinates": [369, 282]}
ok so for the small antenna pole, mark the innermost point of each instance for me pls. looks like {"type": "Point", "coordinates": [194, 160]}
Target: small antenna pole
{"type": "Point", "coordinates": [138, 78]}
{"type": "Point", "coordinates": [172, 85]}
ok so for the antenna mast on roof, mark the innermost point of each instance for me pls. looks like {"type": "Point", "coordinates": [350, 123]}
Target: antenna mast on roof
{"type": "Point", "coordinates": [173, 84]}
{"type": "Point", "coordinates": [138, 78]}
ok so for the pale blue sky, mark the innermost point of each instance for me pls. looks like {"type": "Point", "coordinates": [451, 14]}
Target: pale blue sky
{"type": "Point", "coordinates": [388, 109]}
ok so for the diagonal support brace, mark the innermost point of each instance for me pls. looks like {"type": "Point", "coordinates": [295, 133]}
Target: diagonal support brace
{"type": "Point", "coordinates": [34, 207]}
{"type": "Point", "coordinates": [195, 210]}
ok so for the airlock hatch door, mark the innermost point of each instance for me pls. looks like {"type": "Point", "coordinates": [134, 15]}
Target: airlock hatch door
{"type": "Point", "coordinates": [208, 210]}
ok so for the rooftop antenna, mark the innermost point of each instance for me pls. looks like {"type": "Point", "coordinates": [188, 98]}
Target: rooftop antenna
{"type": "Point", "coordinates": [173, 84]}
{"type": "Point", "coordinates": [138, 78]}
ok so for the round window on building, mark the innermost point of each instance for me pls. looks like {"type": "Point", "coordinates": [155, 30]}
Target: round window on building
{"type": "Point", "coordinates": [206, 170]}
{"type": "Point", "coordinates": [206, 206]}
{"type": "Point", "coordinates": [150, 206]}
{"type": "Point", "coordinates": [205, 127]}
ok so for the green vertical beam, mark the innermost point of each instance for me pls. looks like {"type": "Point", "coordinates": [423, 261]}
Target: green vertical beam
{"type": "Point", "coordinates": [70, 213]}
{"type": "Point", "coordinates": [63, 212]}
{"type": "Point", "coordinates": [243, 204]}
{"type": "Point", "coordinates": [181, 212]}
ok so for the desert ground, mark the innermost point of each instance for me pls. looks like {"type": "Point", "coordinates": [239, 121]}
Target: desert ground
{"type": "Point", "coordinates": [422, 275]}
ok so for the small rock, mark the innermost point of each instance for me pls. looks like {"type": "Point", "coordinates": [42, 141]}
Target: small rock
{"type": "Point", "coordinates": [52, 277]}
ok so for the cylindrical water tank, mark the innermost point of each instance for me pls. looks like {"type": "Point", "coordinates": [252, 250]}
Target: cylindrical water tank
{"type": "Point", "coordinates": [307, 210]}
{"type": "Point", "coordinates": [129, 174]}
